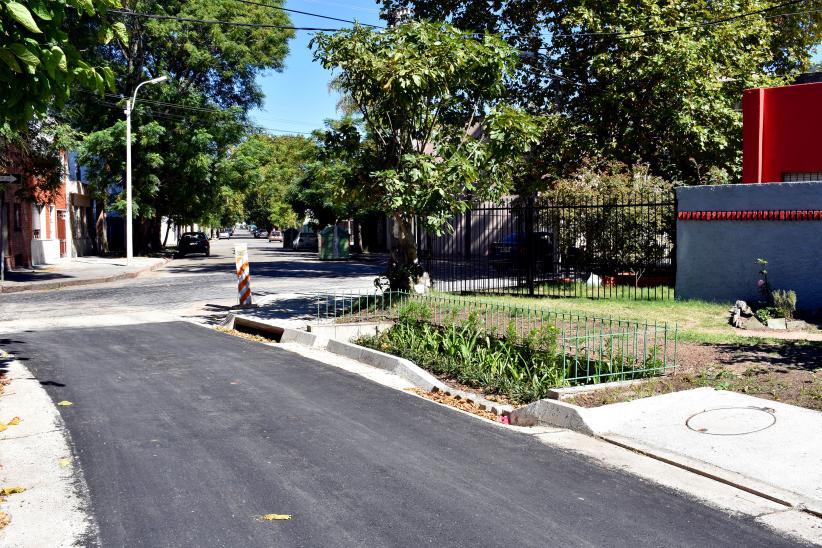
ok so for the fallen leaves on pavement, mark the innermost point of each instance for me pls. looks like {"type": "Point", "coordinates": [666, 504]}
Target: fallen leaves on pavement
{"type": "Point", "coordinates": [64, 462]}
{"type": "Point", "coordinates": [13, 422]}
{"type": "Point", "coordinates": [5, 519]}
{"type": "Point", "coordinates": [274, 517]}
{"type": "Point", "coordinates": [459, 403]}
{"type": "Point", "coordinates": [5, 491]}
{"type": "Point", "coordinates": [64, 403]}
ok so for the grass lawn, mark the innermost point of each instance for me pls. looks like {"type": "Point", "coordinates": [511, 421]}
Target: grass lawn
{"type": "Point", "coordinates": [698, 321]}
{"type": "Point", "coordinates": [711, 352]}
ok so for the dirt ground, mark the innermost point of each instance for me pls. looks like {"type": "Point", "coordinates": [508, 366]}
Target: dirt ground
{"type": "Point", "coordinates": [790, 372]}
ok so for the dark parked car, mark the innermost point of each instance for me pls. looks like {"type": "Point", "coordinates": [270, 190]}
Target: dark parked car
{"type": "Point", "coordinates": [193, 242]}
{"type": "Point", "coordinates": [510, 255]}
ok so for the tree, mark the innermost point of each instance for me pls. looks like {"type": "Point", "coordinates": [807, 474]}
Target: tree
{"type": "Point", "coordinates": [642, 82]}
{"type": "Point", "coordinates": [186, 126]}
{"type": "Point", "coordinates": [327, 189]}
{"type": "Point", "coordinates": [38, 62]}
{"type": "Point", "coordinates": [438, 133]}
{"type": "Point", "coordinates": [263, 167]}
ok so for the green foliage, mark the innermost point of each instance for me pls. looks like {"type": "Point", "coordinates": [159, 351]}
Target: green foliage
{"type": "Point", "coordinates": [521, 368]}
{"type": "Point", "coordinates": [38, 61]}
{"type": "Point", "coordinates": [261, 169]}
{"type": "Point", "coordinates": [622, 235]}
{"type": "Point", "coordinates": [785, 303]}
{"type": "Point", "coordinates": [436, 129]}
{"type": "Point", "coordinates": [327, 188]}
{"type": "Point", "coordinates": [178, 152]}
{"type": "Point", "coordinates": [765, 313]}
{"type": "Point", "coordinates": [764, 284]}
{"type": "Point", "coordinates": [623, 86]}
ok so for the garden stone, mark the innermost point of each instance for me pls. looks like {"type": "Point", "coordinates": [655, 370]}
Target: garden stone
{"type": "Point", "coordinates": [743, 308]}
{"type": "Point", "coordinates": [777, 323]}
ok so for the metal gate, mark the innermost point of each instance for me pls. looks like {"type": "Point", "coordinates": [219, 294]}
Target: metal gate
{"type": "Point", "coordinates": [622, 247]}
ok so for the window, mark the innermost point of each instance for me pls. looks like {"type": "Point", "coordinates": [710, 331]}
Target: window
{"type": "Point", "coordinates": [18, 225]}
{"type": "Point", "coordinates": [801, 177]}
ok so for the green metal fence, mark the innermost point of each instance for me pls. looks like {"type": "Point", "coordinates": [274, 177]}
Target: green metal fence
{"type": "Point", "coordinates": [591, 349]}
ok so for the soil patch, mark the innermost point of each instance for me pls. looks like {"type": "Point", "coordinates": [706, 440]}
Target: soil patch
{"type": "Point", "coordinates": [790, 373]}
{"type": "Point", "coordinates": [459, 403]}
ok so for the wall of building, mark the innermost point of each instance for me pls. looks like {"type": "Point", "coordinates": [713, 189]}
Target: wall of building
{"type": "Point", "coordinates": [780, 132]}
{"type": "Point", "coordinates": [17, 229]}
{"type": "Point", "coordinates": [716, 259]}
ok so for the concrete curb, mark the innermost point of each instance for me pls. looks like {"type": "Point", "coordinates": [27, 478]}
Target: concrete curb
{"type": "Point", "coordinates": [406, 369]}
{"type": "Point", "coordinates": [594, 422]}
{"type": "Point", "coordinates": [43, 286]}
{"type": "Point", "coordinates": [399, 366]}
{"type": "Point", "coordinates": [54, 510]}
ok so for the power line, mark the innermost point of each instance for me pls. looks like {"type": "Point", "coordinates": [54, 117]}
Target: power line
{"type": "Point", "coordinates": [218, 22]}
{"type": "Point", "coordinates": [288, 10]}
{"type": "Point", "coordinates": [180, 118]}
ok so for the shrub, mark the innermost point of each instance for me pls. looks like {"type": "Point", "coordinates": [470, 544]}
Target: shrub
{"type": "Point", "coordinates": [784, 302]}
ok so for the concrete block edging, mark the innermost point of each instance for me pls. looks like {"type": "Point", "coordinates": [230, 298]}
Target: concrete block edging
{"type": "Point", "coordinates": [406, 369]}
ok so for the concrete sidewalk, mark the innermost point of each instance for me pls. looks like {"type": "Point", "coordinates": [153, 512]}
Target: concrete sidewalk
{"type": "Point", "coordinates": [765, 447]}
{"type": "Point", "coordinates": [78, 271]}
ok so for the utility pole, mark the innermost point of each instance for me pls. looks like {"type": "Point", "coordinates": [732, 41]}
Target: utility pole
{"type": "Point", "coordinates": [129, 222]}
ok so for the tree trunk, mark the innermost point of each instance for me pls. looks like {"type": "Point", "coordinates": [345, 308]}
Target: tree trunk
{"type": "Point", "coordinates": [404, 270]}
{"type": "Point", "coordinates": [168, 229]}
{"type": "Point", "coordinates": [357, 229]}
{"type": "Point", "coordinates": [102, 228]}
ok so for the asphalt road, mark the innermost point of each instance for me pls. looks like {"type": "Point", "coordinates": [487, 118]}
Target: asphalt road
{"type": "Point", "coordinates": [185, 286]}
{"type": "Point", "coordinates": [186, 434]}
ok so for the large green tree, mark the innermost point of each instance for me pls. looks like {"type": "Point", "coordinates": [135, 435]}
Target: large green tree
{"type": "Point", "coordinates": [39, 62]}
{"type": "Point", "coordinates": [186, 126]}
{"type": "Point", "coordinates": [328, 188]}
{"type": "Point", "coordinates": [438, 133]}
{"type": "Point", "coordinates": [263, 168]}
{"type": "Point", "coordinates": [651, 81]}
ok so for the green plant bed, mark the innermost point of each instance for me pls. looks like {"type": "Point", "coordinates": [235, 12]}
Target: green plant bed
{"type": "Point", "coordinates": [521, 367]}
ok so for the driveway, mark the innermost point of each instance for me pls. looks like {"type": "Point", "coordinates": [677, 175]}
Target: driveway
{"type": "Point", "coordinates": [186, 435]}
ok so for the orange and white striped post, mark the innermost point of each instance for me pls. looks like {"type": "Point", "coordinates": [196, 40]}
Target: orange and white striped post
{"type": "Point", "coordinates": [243, 274]}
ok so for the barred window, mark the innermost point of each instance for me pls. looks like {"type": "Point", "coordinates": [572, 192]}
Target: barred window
{"type": "Point", "coordinates": [800, 177]}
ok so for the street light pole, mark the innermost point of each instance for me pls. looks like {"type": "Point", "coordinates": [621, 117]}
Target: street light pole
{"type": "Point", "coordinates": [129, 222]}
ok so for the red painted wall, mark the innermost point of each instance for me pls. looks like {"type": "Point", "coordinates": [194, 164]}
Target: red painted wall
{"type": "Point", "coordinates": [781, 132]}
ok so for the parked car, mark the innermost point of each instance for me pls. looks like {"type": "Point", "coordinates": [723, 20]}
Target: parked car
{"type": "Point", "coordinates": [510, 255]}
{"type": "Point", "coordinates": [193, 242]}
{"type": "Point", "coordinates": [275, 236]}
{"type": "Point", "coordinates": [306, 240]}
{"type": "Point", "coordinates": [223, 233]}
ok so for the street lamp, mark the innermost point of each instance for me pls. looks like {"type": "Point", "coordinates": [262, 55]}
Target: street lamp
{"type": "Point", "coordinates": [129, 109]}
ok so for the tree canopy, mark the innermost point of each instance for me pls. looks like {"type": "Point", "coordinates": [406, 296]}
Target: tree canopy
{"type": "Point", "coordinates": [438, 133]}
{"type": "Point", "coordinates": [186, 126]}
{"type": "Point", "coordinates": [39, 62]}
{"type": "Point", "coordinates": [262, 168]}
{"type": "Point", "coordinates": [648, 81]}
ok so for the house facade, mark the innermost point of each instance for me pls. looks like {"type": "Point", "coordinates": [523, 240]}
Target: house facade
{"type": "Point", "coordinates": [39, 229]}
{"type": "Point", "coordinates": [780, 134]}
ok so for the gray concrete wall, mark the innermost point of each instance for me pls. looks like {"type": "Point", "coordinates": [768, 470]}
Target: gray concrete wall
{"type": "Point", "coordinates": [716, 260]}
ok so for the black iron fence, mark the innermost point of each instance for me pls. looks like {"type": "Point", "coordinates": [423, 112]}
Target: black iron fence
{"type": "Point", "coordinates": [619, 247]}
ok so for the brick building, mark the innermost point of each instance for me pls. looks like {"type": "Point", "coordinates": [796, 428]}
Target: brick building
{"type": "Point", "coordinates": [42, 229]}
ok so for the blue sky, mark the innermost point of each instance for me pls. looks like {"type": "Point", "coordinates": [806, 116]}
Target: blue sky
{"type": "Point", "coordinates": [297, 99]}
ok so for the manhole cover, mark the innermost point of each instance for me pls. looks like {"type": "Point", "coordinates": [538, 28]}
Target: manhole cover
{"type": "Point", "coordinates": [732, 421]}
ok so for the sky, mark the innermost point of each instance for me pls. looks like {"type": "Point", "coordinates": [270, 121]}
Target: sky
{"type": "Point", "coordinates": [297, 99]}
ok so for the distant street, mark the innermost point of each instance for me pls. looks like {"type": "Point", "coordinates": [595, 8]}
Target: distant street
{"type": "Point", "coordinates": [186, 436]}
{"type": "Point", "coordinates": [185, 286]}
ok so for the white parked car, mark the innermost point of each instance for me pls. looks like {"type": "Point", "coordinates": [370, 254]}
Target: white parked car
{"type": "Point", "coordinates": [223, 233]}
